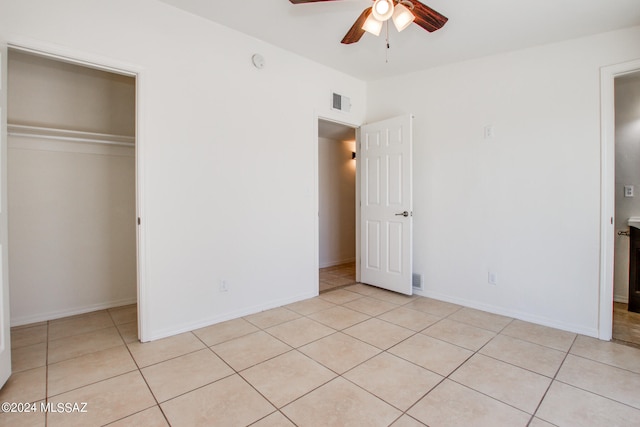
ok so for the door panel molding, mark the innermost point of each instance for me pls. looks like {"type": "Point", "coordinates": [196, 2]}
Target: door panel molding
{"type": "Point", "coordinates": [386, 189]}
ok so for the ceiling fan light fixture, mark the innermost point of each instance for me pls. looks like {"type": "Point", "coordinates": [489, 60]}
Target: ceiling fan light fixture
{"type": "Point", "coordinates": [382, 9]}
{"type": "Point", "coordinates": [402, 17]}
{"type": "Point", "coordinates": [372, 25]}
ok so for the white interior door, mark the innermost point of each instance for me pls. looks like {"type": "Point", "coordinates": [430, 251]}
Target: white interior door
{"type": "Point", "coordinates": [386, 211]}
{"type": "Point", "coordinates": [5, 338]}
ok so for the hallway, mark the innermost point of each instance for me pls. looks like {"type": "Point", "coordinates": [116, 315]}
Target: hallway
{"type": "Point", "coordinates": [626, 325]}
{"type": "Point", "coordinates": [337, 276]}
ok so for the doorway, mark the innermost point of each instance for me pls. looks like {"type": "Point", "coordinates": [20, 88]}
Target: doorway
{"type": "Point", "coordinates": [71, 187]}
{"type": "Point", "coordinates": [608, 189]}
{"type": "Point", "coordinates": [626, 321]}
{"type": "Point", "coordinates": [336, 205]}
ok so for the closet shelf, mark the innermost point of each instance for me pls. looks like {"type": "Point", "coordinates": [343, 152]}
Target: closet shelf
{"type": "Point", "coordinates": [70, 135]}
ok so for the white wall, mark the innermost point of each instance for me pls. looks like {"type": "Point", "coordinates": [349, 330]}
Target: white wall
{"type": "Point", "coordinates": [48, 93]}
{"type": "Point", "coordinates": [524, 204]}
{"type": "Point", "coordinates": [229, 153]}
{"type": "Point", "coordinates": [627, 107]}
{"type": "Point", "coordinates": [71, 229]}
{"type": "Point", "coordinates": [337, 196]}
{"type": "Point", "coordinates": [72, 244]}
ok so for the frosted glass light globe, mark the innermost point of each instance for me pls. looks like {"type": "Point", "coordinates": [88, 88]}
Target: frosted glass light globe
{"type": "Point", "coordinates": [383, 9]}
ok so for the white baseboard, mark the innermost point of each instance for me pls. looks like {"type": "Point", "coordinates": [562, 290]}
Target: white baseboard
{"type": "Point", "coordinates": [621, 298]}
{"type": "Point", "coordinates": [326, 264]}
{"type": "Point", "coordinates": [164, 333]}
{"type": "Point", "coordinates": [52, 315]}
{"type": "Point", "coordinates": [516, 314]}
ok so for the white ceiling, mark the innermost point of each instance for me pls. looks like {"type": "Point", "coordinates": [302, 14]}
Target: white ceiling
{"type": "Point", "coordinates": [476, 28]}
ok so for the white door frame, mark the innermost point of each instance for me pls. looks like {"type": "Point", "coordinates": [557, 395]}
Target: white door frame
{"type": "Point", "coordinates": [113, 66]}
{"type": "Point", "coordinates": [608, 75]}
{"type": "Point", "coordinates": [355, 126]}
{"type": "Point", "coordinates": [5, 318]}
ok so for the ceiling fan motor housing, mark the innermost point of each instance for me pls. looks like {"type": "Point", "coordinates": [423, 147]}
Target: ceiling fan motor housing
{"type": "Point", "coordinates": [383, 9]}
{"type": "Point", "coordinates": [404, 12]}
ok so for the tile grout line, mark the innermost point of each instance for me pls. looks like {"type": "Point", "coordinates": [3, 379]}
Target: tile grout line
{"type": "Point", "coordinates": [515, 366]}
{"type": "Point", "coordinates": [337, 375]}
{"type": "Point", "coordinates": [46, 376]}
{"type": "Point", "coordinates": [605, 363]}
{"type": "Point", "coordinates": [597, 394]}
{"type": "Point", "coordinates": [296, 349]}
{"type": "Point", "coordinates": [519, 339]}
{"type": "Point", "coordinates": [496, 399]}
{"type": "Point", "coordinates": [444, 378]}
{"type": "Point", "coordinates": [90, 353]}
{"type": "Point", "coordinates": [544, 395]}
{"type": "Point", "coordinates": [236, 372]}
{"type": "Point", "coordinates": [382, 351]}
{"type": "Point", "coordinates": [335, 331]}
{"type": "Point", "coordinates": [139, 369]}
{"type": "Point", "coordinates": [141, 375]}
{"type": "Point", "coordinates": [279, 409]}
{"type": "Point", "coordinates": [415, 364]}
{"type": "Point", "coordinates": [447, 377]}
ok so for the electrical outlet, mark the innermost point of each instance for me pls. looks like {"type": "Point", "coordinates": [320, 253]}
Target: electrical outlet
{"type": "Point", "coordinates": [223, 286]}
{"type": "Point", "coordinates": [628, 191]}
{"type": "Point", "coordinates": [488, 132]}
{"type": "Point", "coordinates": [493, 278]}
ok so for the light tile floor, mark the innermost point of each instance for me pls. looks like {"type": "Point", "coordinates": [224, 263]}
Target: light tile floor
{"type": "Point", "coordinates": [337, 276]}
{"type": "Point", "coordinates": [626, 325]}
{"type": "Point", "coordinates": [357, 356]}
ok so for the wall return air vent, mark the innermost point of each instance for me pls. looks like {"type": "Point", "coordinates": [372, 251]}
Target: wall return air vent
{"type": "Point", "coordinates": [340, 102]}
{"type": "Point", "coordinates": [417, 281]}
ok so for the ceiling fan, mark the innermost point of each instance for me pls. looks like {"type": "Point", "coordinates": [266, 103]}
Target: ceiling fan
{"type": "Point", "coordinates": [402, 12]}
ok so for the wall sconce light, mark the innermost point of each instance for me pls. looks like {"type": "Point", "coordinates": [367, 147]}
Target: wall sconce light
{"type": "Point", "coordinates": [353, 155]}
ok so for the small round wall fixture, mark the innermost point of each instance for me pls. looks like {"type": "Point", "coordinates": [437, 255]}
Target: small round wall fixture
{"type": "Point", "coordinates": [258, 61]}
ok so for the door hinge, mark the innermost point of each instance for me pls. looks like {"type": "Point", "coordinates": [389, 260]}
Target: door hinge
{"type": "Point", "coordinates": [138, 220]}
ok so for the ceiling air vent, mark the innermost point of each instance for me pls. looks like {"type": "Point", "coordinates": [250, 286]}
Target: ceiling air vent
{"type": "Point", "coordinates": [340, 103]}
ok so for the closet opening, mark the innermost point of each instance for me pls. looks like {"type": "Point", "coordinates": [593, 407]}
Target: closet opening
{"type": "Point", "coordinates": [72, 202]}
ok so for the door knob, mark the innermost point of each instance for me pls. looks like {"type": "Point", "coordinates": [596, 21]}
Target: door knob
{"type": "Point", "coordinates": [405, 213]}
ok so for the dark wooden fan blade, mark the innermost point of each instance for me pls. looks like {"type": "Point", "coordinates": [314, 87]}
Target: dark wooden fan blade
{"type": "Point", "coordinates": [307, 1]}
{"type": "Point", "coordinates": [355, 32]}
{"type": "Point", "coordinates": [428, 18]}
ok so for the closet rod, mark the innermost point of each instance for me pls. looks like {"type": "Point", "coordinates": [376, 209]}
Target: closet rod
{"type": "Point", "coordinates": [70, 135]}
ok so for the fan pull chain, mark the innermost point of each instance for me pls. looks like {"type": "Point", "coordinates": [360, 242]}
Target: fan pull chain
{"type": "Point", "coordinates": [386, 52]}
